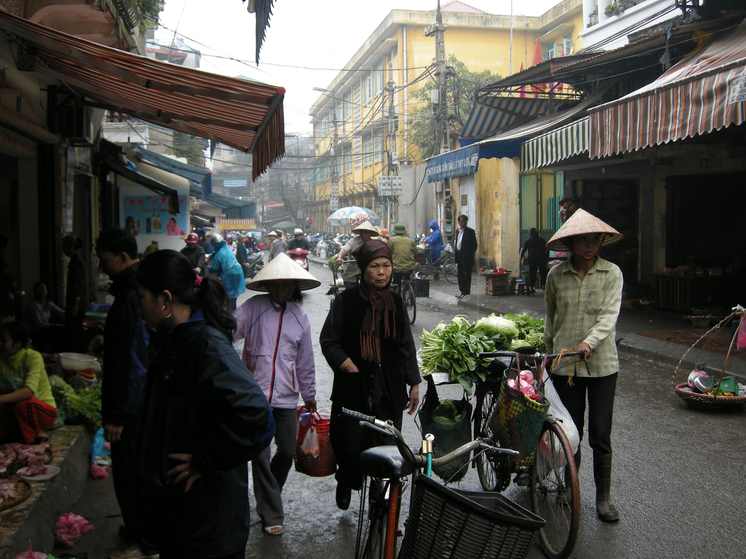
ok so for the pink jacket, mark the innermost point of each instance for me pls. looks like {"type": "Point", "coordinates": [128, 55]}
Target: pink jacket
{"type": "Point", "coordinates": [277, 350]}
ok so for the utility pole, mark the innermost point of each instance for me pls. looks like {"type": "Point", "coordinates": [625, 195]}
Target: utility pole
{"type": "Point", "coordinates": [438, 98]}
{"type": "Point", "coordinates": [391, 141]}
{"type": "Point", "coordinates": [334, 186]}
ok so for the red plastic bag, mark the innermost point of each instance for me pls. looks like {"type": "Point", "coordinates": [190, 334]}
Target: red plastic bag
{"type": "Point", "coordinates": [313, 450]}
{"type": "Point", "coordinates": [741, 333]}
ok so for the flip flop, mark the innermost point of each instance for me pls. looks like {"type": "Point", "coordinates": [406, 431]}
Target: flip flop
{"type": "Point", "coordinates": [273, 530]}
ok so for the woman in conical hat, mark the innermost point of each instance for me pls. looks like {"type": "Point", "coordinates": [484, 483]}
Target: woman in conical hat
{"type": "Point", "coordinates": [279, 352]}
{"type": "Point", "coordinates": [582, 299]}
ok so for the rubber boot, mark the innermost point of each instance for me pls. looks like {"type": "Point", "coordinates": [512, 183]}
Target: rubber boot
{"type": "Point", "coordinates": [602, 475]}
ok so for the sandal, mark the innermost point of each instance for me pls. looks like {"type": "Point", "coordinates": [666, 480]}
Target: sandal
{"type": "Point", "coordinates": [273, 530]}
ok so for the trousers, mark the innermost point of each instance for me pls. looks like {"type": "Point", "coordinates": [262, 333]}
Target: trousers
{"type": "Point", "coordinates": [29, 417]}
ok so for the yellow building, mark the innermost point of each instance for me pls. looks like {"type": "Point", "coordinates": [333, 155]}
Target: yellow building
{"type": "Point", "coordinates": [362, 120]}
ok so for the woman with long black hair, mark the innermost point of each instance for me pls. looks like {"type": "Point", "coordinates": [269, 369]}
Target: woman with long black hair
{"type": "Point", "coordinates": [204, 416]}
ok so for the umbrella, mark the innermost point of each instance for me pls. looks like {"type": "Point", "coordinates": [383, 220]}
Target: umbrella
{"type": "Point", "coordinates": [284, 225]}
{"type": "Point", "coordinates": [352, 216]}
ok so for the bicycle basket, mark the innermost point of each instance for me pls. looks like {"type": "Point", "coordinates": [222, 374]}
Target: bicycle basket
{"type": "Point", "coordinates": [447, 523]}
{"type": "Point", "coordinates": [517, 421]}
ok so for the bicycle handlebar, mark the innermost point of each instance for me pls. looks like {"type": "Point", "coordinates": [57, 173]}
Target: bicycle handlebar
{"type": "Point", "coordinates": [387, 428]}
{"type": "Point", "coordinates": [487, 355]}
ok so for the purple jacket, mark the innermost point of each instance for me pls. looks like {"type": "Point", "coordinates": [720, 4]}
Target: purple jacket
{"type": "Point", "coordinates": [277, 350]}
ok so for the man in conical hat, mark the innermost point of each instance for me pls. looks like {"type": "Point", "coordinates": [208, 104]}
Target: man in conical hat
{"type": "Point", "coordinates": [363, 232]}
{"type": "Point", "coordinates": [278, 351]}
{"type": "Point", "coordinates": [582, 299]}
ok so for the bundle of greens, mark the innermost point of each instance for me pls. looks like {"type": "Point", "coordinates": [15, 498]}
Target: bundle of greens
{"type": "Point", "coordinates": [85, 401]}
{"type": "Point", "coordinates": [530, 331]}
{"type": "Point", "coordinates": [454, 348]}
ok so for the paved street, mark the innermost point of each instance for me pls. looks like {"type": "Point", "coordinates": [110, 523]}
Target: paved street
{"type": "Point", "coordinates": [677, 477]}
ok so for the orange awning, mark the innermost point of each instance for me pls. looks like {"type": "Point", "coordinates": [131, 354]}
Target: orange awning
{"type": "Point", "coordinates": [247, 116]}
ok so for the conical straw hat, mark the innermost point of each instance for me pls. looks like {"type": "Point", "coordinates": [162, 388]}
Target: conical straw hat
{"type": "Point", "coordinates": [282, 267]}
{"type": "Point", "coordinates": [582, 223]}
{"type": "Point", "coordinates": [365, 226]}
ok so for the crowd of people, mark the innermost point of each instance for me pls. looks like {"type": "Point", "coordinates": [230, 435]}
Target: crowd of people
{"type": "Point", "coordinates": [184, 414]}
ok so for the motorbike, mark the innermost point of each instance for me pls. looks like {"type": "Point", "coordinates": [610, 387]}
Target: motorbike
{"type": "Point", "coordinates": [300, 257]}
{"type": "Point", "coordinates": [253, 265]}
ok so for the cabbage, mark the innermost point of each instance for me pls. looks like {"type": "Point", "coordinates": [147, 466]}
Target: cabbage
{"type": "Point", "coordinates": [497, 327]}
{"type": "Point", "coordinates": [517, 342]}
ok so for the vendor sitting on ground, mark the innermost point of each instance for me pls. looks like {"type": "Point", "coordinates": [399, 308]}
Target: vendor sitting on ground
{"type": "Point", "coordinates": [28, 412]}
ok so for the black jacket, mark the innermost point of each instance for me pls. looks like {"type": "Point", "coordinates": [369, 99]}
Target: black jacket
{"type": "Point", "coordinates": [200, 399]}
{"type": "Point", "coordinates": [465, 256]}
{"type": "Point", "coordinates": [126, 341]}
{"type": "Point", "coordinates": [196, 256]}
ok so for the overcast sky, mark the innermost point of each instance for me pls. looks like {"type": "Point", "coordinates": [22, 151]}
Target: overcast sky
{"type": "Point", "coordinates": [306, 44]}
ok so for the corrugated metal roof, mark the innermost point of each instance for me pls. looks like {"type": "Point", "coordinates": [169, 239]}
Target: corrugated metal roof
{"type": "Point", "coordinates": [244, 115]}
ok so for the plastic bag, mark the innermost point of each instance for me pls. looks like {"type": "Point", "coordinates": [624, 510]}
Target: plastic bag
{"type": "Point", "coordinates": [100, 456]}
{"type": "Point", "coordinates": [558, 411]}
{"type": "Point", "coordinates": [310, 446]}
{"type": "Point", "coordinates": [741, 333]}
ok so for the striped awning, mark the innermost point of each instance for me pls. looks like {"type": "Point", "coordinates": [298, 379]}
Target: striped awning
{"type": "Point", "coordinates": [704, 92]}
{"type": "Point", "coordinates": [244, 115]}
{"type": "Point", "coordinates": [491, 115]}
{"type": "Point", "coordinates": [554, 146]}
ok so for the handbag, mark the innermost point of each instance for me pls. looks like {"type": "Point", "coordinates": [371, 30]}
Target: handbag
{"type": "Point", "coordinates": [313, 449]}
{"type": "Point", "coordinates": [448, 436]}
{"type": "Point", "coordinates": [517, 421]}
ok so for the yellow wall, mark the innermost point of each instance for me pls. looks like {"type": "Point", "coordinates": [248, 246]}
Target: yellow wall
{"type": "Point", "coordinates": [498, 219]}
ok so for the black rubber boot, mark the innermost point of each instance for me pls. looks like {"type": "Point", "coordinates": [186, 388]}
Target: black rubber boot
{"type": "Point", "coordinates": [602, 474]}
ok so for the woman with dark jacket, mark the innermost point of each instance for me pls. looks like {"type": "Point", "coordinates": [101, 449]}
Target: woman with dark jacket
{"type": "Point", "coordinates": [204, 416]}
{"type": "Point", "coordinates": [368, 344]}
{"type": "Point", "coordinates": [76, 297]}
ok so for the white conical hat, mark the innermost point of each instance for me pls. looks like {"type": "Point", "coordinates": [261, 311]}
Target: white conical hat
{"type": "Point", "coordinates": [582, 223]}
{"type": "Point", "coordinates": [365, 226]}
{"type": "Point", "coordinates": [283, 268]}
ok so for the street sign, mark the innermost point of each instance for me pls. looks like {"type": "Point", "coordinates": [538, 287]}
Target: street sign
{"type": "Point", "coordinates": [333, 203]}
{"type": "Point", "coordinates": [389, 186]}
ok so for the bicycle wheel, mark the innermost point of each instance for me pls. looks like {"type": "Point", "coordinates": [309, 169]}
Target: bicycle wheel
{"type": "Point", "coordinates": [555, 493]}
{"type": "Point", "coordinates": [493, 471]}
{"type": "Point", "coordinates": [372, 522]}
{"type": "Point", "coordinates": [410, 302]}
{"type": "Point", "coordinates": [449, 270]}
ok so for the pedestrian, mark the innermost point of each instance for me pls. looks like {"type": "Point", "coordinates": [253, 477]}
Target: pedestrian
{"type": "Point", "coordinates": [29, 411]}
{"type": "Point", "coordinates": [76, 296]}
{"type": "Point", "coordinates": [150, 249]}
{"type": "Point", "coordinates": [278, 244]}
{"type": "Point", "coordinates": [251, 243]}
{"type": "Point", "coordinates": [466, 247]}
{"type": "Point", "coordinates": [278, 350]}
{"type": "Point", "coordinates": [230, 243]}
{"type": "Point", "coordinates": [126, 340]}
{"type": "Point", "coordinates": [435, 240]}
{"type": "Point", "coordinates": [207, 244]}
{"type": "Point", "coordinates": [582, 299]}
{"type": "Point", "coordinates": [242, 255]}
{"type": "Point", "coordinates": [362, 233]}
{"type": "Point", "coordinates": [194, 253]}
{"type": "Point", "coordinates": [403, 253]}
{"type": "Point", "coordinates": [538, 257]}
{"type": "Point", "coordinates": [368, 344]}
{"type": "Point", "coordinates": [45, 320]}
{"type": "Point", "coordinates": [205, 417]}
{"type": "Point", "coordinates": [224, 264]}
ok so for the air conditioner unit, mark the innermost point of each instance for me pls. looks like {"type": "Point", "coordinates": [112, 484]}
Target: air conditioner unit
{"type": "Point", "coordinates": [74, 121]}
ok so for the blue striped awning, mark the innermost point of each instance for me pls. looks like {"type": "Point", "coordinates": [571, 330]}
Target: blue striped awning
{"type": "Point", "coordinates": [491, 115]}
{"type": "Point", "coordinates": [556, 145]}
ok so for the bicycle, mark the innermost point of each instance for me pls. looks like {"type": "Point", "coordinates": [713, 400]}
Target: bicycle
{"type": "Point", "coordinates": [406, 290]}
{"type": "Point", "coordinates": [442, 522]}
{"type": "Point", "coordinates": [446, 264]}
{"type": "Point", "coordinates": [552, 478]}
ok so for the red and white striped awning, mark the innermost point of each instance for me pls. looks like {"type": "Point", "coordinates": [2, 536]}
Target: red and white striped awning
{"type": "Point", "coordinates": [704, 92]}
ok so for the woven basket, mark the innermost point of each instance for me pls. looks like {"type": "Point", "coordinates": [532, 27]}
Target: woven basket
{"type": "Point", "coordinates": [325, 464]}
{"type": "Point", "coordinates": [708, 401]}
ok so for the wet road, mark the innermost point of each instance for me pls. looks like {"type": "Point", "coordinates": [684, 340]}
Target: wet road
{"type": "Point", "coordinates": [677, 479]}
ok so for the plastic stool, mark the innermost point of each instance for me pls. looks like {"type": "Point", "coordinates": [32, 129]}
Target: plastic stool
{"type": "Point", "coordinates": [521, 287]}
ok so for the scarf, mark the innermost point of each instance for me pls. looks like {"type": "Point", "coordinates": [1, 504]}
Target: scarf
{"type": "Point", "coordinates": [380, 311]}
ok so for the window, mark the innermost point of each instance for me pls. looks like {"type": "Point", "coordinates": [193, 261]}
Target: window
{"type": "Point", "coordinates": [366, 89]}
{"type": "Point", "coordinates": [367, 150]}
{"type": "Point", "coordinates": [377, 148]}
{"type": "Point", "coordinates": [348, 163]}
{"type": "Point", "coordinates": [567, 44]}
{"type": "Point", "coordinates": [346, 109]}
{"type": "Point", "coordinates": [358, 151]}
{"type": "Point", "coordinates": [356, 109]}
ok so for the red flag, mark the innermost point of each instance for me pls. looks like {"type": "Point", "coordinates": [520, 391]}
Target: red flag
{"type": "Point", "coordinates": [523, 87]}
{"type": "Point", "coordinates": [539, 87]}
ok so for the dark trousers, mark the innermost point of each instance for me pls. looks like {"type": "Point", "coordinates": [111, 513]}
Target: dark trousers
{"type": "Point", "coordinates": [127, 485]}
{"type": "Point", "coordinates": [463, 273]}
{"type": "Point", "coordinates": [600, 392]}
{"type": "Point", "coordinates": [534, 267]}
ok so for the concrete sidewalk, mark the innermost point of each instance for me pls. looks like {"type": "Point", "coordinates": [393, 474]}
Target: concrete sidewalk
{"type": "Point", "coordinates": [632, 323]}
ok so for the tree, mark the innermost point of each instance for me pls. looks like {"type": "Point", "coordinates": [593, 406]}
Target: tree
{"type": "Point", "coordinates": [190, 147]}
{"type": "Point", "coordinates": [150, 10]}
{"type": "Point", "coordinates": [460, 84]}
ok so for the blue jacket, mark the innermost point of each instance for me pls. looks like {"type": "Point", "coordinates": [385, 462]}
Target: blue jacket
{"type": "Point", "coordinates": [225, 265]}
{"type": "Point", "coordinates": [435, 240]}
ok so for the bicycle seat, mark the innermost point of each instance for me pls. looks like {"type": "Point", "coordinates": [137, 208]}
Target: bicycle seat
{"type": "Point", "coordinates": [385, 462]}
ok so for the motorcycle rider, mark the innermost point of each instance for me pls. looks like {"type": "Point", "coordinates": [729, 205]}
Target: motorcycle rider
{"type": "Point", "coordinates": [435, 240]}
{"type": "Point", "coordinates": [298, 241]}
{"type": "Point", "coordinates": [194, 253]}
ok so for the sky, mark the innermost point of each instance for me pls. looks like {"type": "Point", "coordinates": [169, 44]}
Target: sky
{"type": "Point", "coordinates": [306, 44]}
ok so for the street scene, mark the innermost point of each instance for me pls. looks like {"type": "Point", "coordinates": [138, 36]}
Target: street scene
{"type": "Point", "coordinates": [242, 242]}
{"type": "Point", "coordinates": [669, 456]}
